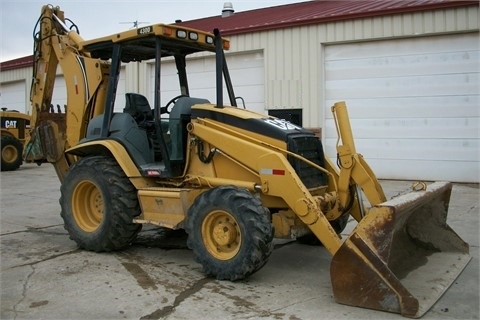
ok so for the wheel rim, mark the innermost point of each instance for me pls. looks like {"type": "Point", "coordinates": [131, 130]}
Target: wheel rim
{"type": "Point", "coordinates": [9, 153]}
{"type": "Point", "coordinates": [87, 206]}
{"type": "Point", "coordinates": [221, 235]}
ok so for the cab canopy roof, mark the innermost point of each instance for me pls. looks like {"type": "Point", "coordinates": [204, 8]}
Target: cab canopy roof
{"type": "Point", "coordinates": [140, 44]}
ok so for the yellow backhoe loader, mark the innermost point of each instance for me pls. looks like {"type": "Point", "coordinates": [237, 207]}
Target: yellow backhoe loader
{"type": "Point", "coordinates": [15, 130]}
{"type": "Point", "coordinates": [232, 179]}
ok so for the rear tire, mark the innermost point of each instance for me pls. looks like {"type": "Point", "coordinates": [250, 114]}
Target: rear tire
{"type": "Point", "coordinates": [98, 204]}
{"type": "Point", "coordinates": [230, 233]}
{"type": "Point", "coordinates": [12, 150]}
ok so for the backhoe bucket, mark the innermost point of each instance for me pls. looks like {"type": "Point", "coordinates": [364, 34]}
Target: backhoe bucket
{"type": "Point", "coordinates": [402, 256]}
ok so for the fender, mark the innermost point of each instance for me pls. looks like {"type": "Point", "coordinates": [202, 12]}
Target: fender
{"type": "Point", "coordinates": [117, 150]}
{"type": "Point", "coordinates": [6, 132]}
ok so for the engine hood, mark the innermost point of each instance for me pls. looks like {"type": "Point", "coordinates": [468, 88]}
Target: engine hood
{"type": "Point", "coordinates": [273, 127]}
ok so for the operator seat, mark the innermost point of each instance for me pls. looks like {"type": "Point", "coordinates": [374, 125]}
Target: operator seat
{"type": "Point", "coordinates": [179, 117]}
{"type": "Point", "coordinates": [138, 107]}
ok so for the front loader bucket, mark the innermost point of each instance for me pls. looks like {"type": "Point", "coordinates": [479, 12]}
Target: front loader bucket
{"type": "Point", "coordinates": [402, 256]}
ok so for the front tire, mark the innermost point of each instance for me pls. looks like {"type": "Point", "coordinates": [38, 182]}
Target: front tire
{"type": "Point", "coordinates": [98, 205]}
{"type": "Point", "coordinates": [230, 233]}
{"type": "Point", "coordinates": [12, 150]}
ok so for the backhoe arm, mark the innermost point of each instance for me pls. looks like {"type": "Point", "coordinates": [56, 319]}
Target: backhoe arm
{"type": "Point", "coordinates": [50, 36]}
{"type": "Point", "coordinates": [85, 78]}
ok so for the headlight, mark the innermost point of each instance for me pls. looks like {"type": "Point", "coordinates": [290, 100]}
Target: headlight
{"type": "Point", "coordinates": [193, 36]}
{"type": "Point", "coordinates": [182, 34]}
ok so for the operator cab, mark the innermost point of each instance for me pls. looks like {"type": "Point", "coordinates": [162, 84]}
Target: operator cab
{"type": "Point", "coordinates": [152, 147]}
{"type": "Point", "coordinates": [173, 130]}
{"type": "Point", "coordinates": [155, 138]}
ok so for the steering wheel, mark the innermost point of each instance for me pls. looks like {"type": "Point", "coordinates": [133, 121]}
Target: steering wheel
{"type": "Point", "coordinates": [172, 101]}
